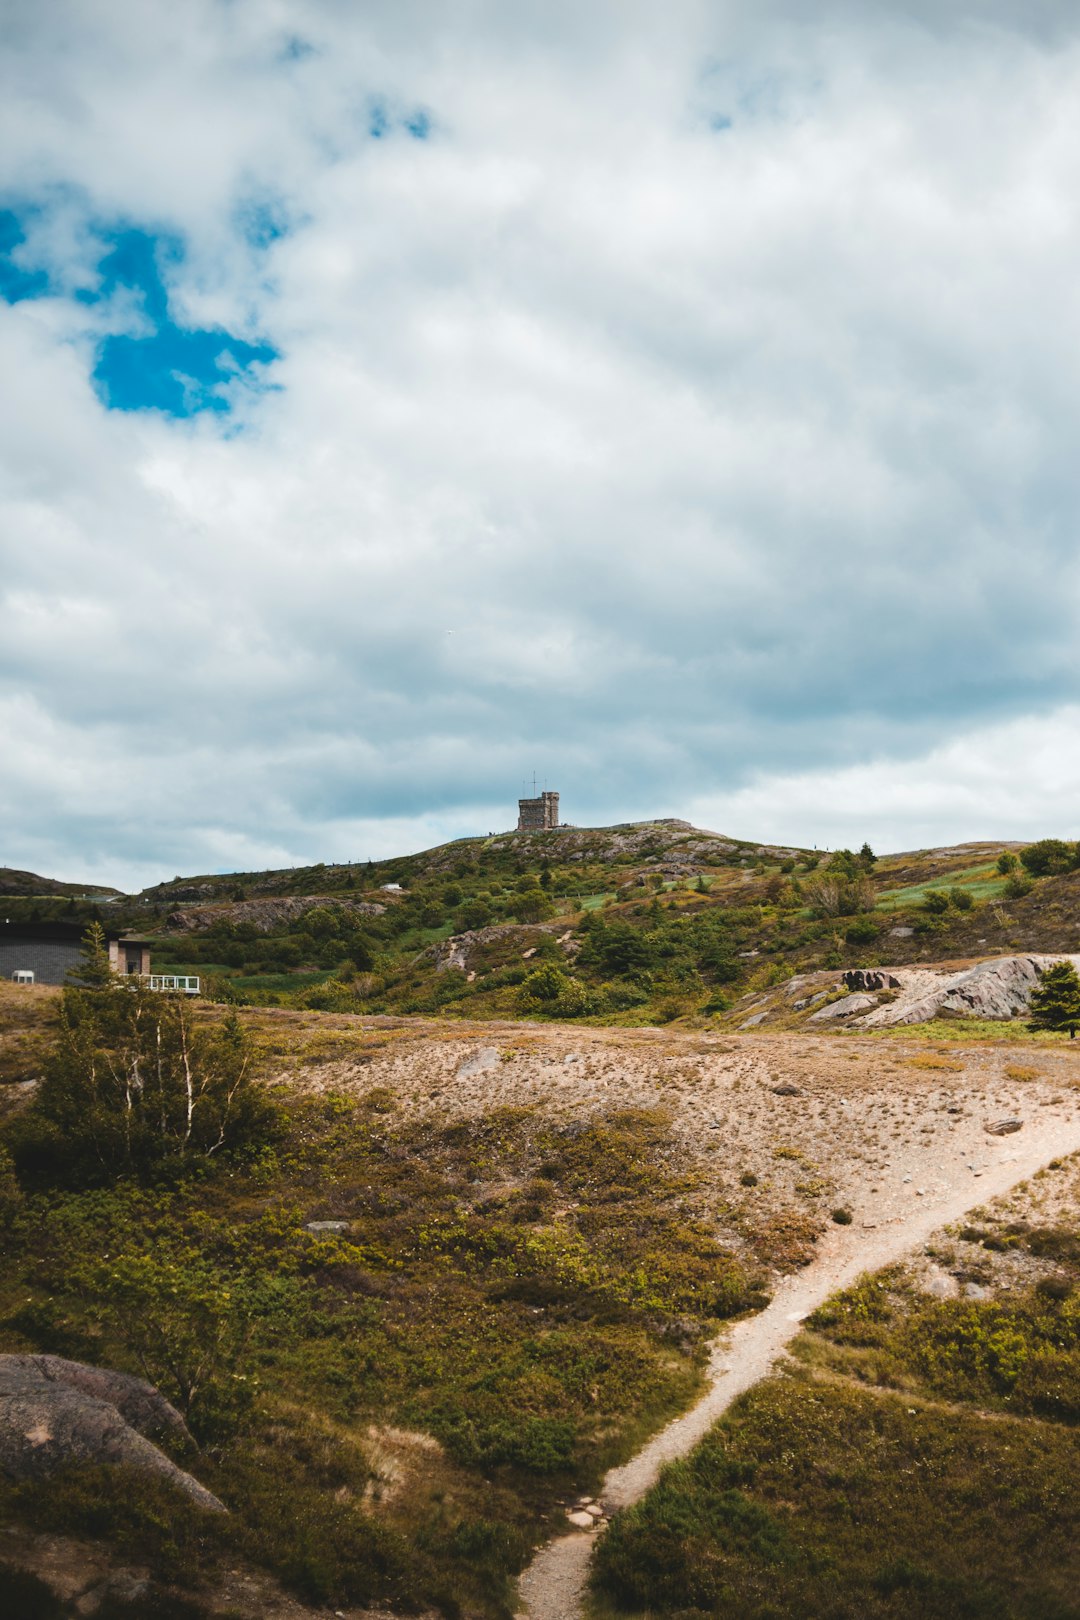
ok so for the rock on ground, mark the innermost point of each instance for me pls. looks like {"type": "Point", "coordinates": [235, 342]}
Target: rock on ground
{"type": "Point", "coordinates": [55, 1412]}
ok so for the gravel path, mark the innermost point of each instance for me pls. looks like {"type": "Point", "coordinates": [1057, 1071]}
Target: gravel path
{"type": "Point", "coordinates": [553, 1585]}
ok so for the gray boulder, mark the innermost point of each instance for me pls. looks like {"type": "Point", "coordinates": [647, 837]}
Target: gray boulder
{"type": "Point", "coordinates": [1003, 1127]}
{"type": "Point", "coordinates": [844, 1008]}
{"type": "Point", "coordinates": [55, 1412]}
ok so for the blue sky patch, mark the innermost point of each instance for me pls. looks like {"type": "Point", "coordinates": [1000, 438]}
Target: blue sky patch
{"type": "Point", "coordinates": [174, 369]}
{"type": "Point", "coordinates": [296, 49]}
{"type": "Point", "coordinates": [262, 223]}
{"type": "Point", "coordinates": [165, 366]}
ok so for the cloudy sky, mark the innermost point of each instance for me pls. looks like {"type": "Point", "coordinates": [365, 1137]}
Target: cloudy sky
{"type": "Point", "coordinates": [678, 401]}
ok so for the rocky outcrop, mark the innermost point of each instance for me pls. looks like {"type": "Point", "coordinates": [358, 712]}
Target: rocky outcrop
{"type": "Point", "coordinates": [55, 1412]}
{"type": "Point", "coordinates": [462, 950]}
{"type": "Point", "coordinates": [871, 979]}
{"type": "Point", "coordinates": [998, 988]}
{"type": "Point", "coordinates": [665, 839]}
{"type": "Point", "coordinates": [267, 916]}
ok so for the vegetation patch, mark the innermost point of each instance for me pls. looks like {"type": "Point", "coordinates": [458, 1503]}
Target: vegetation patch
{"type": "Point", "coordinates": [822, 1500]}
{"type": "Point", "coordinates": [391, 1403]}
{"type": "Point", "coordinates": [1017, 1352]}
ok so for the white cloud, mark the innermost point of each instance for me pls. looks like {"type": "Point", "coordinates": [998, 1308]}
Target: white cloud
{"type": "Point", "coordinates": [1020, 780]}
{"type": "Point", "coordinates": [686, 464]}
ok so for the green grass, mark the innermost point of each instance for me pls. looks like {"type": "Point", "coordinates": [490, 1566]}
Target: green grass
{"type": "Point", "coordinates": [278, 981]}
{"type": "Point", "coordinates": [824, 1501]}
{"type": "Point", "coordinates": [981, 882]}
{"type": "Point", "coordinates": [962, 1031]}
{"type": "Point", "coordinates": [161, 964]}
{"type": "Point", "coordinates": [418, 938]}
{"type": "Point", "coordinates": [1018, 1353]}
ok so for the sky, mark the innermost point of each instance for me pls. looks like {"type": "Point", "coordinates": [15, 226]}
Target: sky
{"type": "Point", "coordinates": [678, 403]}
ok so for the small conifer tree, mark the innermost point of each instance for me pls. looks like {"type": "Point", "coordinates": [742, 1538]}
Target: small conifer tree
{"type": "Point", "coordinates": [1056, 1002]}
{"type": "Point", "coordinates": [94, 971]}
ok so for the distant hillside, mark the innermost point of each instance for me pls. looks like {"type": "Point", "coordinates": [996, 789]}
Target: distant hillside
{"type": "Point", "coordinates": [645, 923]}
{"type": "Point", "coordinates": [30, 885]}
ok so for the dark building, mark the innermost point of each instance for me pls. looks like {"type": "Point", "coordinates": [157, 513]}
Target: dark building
{"type": "Point", "coordinates": [538, 815]}
{"type": "Point", "coordinates": [49, 950]}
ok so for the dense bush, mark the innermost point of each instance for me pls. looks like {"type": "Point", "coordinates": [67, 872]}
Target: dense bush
{"type": "Point", "coordinates": [817, 1500]}
{"type": "Point", "coordinates": [1049, 856]}
{"type": "Point", "coordinates": [134, 1082]}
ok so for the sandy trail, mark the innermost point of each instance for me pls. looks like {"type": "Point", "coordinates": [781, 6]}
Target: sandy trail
{"type": "Point", "coordinates": [553, 1585]}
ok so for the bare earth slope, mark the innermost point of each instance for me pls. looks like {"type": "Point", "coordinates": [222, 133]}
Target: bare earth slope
{"type": "Point", "coordinates": [878, 1125]}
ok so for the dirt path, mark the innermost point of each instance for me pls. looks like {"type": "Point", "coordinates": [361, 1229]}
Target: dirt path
{"type": "Point", "coordinates": [552, 1587]}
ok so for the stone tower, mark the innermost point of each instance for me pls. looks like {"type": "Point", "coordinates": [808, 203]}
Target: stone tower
{"type": "Point", "coordinates": [538, 815]}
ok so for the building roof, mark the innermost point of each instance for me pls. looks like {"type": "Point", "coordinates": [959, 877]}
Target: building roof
{"type": "Point", "coordinates": [61, 932]}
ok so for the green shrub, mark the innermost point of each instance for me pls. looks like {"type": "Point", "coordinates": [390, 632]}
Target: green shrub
{"type": "Point", "coordinates": [862, 931]}
{"type": "Point", "coordinates": [333, 995]}
{"type": "Point", "coordinates": [531, 906]}
{"type": "Point", "coordinates": [1049, 856]}
{"type": "Point", "coordinates": [823, 1501]}
{"type": "Point", "coordinates": [476, 913]}
{"type": "Point", "coordinates": [545, 984]}
{"type": "Point", "coordinates": [11, 1196]}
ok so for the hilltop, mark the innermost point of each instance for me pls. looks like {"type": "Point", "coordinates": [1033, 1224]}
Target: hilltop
{"type": "Point", "coordinates": [30, 885]}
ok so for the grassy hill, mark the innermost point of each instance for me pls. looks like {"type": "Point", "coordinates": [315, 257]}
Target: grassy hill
{"type": "Point", "coordinates": [640, 924]}
{"type": "Point", "coordinates": [646, 923]}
